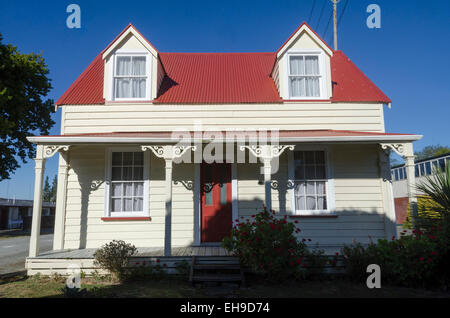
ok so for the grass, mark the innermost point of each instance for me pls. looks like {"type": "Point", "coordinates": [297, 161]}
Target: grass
{"type": "Point", "coordinates": [40, 286]}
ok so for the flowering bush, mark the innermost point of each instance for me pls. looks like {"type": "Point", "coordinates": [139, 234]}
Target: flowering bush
{"type": "Point", "coordinates": [268, 245]}
{"type": "Point", "coordinates": [413, 260]}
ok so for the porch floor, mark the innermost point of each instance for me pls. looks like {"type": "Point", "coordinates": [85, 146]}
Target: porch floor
{"type": "Point", "coordinates": [182, 251]}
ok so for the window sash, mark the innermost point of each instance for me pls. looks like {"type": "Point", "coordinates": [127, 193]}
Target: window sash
{"type": "Point", "coordinates": [127, 194]}
{"type": "Point", "coordinates": [131, 83]}
{"type": "Point", "coordinates": [310, 187]}
{"type": "Point", "coordinates": [304, 80]}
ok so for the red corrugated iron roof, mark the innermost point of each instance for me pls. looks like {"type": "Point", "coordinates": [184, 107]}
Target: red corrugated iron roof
{"type": "Point", "coordinates": [218, 78]}
{"type": "Point", "coordinates": [221, 78]}
{"type": "Point", "coordinates": [350, 84]}
{"type": "Point", "coordinates": [88, 87]}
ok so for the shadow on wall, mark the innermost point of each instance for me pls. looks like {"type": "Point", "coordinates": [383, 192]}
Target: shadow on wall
{"type": "Point", "coordinates": [344, 227]}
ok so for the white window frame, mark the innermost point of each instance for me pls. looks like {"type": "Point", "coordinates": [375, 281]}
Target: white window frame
{"type": "Point", "coordinates": [146, 178]}
{"type": "Point", "coordinates": [148, 70]}
{"type": "Point", "coordinates": [322, 71]}
{"type": "Point", "coordinates": [329, 183]}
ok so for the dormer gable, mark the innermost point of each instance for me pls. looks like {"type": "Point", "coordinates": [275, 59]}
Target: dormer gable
{"type": "Point", "coordinates": [303, 66]}
{"type": "Point", "coordinates": [132, 68]}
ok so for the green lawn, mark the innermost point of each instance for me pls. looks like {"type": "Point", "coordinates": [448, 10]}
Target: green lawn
{"type": "Point", "coordinates": [177, 288]}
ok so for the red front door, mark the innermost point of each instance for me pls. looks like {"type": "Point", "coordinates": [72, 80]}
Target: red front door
{"type": "Point", "coordinates": [216, 201]}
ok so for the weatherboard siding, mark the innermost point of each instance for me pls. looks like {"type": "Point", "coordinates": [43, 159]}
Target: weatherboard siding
{"type": "Point", "coordinates": [156, 117]}
{"type": "Point", "coordinates": [357, 187]}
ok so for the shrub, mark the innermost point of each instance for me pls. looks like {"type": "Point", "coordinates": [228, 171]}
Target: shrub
{"type": "Point", "coordinates": [114, 257]}
{"type": "Point", "coordinates": [416, 260]}
{"type": "Point", "coordinates": [146, 269]}
{"type": "Point", "coordinates": [267, 245]}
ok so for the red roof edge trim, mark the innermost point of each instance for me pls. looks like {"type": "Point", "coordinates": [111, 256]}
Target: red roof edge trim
{"type": "Point", "coordinates": [123, 31]}
{"type": "Point", "coordinates": [67, 93]}
{"type": "Point", "coordinates": [309, 27]}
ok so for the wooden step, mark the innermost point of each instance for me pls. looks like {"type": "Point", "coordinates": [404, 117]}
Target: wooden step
{"type": "Point", "coordinates": [217, 266]}
{"type": "Point", "coordinates": [216, 278]}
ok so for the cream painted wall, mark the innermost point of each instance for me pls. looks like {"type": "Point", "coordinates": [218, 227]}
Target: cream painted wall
{"type": "Point", "coordinates": [85, 207]}
{"type": "Point", "coordinates": [358, 200]}
{"type": "Point", "coordinates": [289, 116]}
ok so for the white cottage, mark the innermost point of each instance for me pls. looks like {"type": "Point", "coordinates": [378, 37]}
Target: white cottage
{"type": "Point", "coordinates": [166, 150]}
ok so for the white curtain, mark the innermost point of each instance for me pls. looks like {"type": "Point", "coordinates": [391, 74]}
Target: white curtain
{"type": "Point", "coordinates": [300, 84]}
{"type": "Point", "coordinates": [123, 88]}
{"type": "Point", "coordinates": [138, 65]}
{"type": "Point", "coordinates": [123, 65]}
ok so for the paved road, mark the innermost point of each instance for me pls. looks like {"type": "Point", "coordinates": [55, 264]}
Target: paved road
{"type": "Point", "coordinates": [13, 251]}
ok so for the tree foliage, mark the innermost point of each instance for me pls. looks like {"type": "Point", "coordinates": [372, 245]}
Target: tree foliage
{"type": "Point", "coordinates": [49, 192]}
{"type": "Point", "coordinates": [24, 110]}
{"type": "Point", "coordinates": [431, 151]}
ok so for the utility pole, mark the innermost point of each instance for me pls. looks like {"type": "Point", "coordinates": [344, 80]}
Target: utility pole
{"type": "Point", "coordinates": [335, 2]}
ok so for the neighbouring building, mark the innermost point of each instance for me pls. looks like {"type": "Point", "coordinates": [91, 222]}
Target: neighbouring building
{"type": "Point", "coordinates": [16, 214]}
{"type": "Point", "coordinates": [399, 177]}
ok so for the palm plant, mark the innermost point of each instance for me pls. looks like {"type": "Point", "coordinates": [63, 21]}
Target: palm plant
{"type": "Point", "coordinates": [437, 188]}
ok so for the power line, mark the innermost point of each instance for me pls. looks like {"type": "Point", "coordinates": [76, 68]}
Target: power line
{"type": "Point", "coordinates": [321, 13]}
{"type": "Point", "coordinates": [328, 24]}
{"type": "Point", "coordinates": [311, 12]}
{"type": "Point", "coordinates": [343, 11]}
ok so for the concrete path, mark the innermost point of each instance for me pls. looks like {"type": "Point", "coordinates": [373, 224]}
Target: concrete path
{"type": "Point", "coordinates": [14, 250]}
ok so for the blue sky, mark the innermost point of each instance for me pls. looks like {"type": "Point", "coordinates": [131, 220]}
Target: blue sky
{"type": "Point", "coordinates": [407, 58]}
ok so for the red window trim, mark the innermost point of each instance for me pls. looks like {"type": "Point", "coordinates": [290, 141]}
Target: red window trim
{"type": "Point", "coordinates": [145, 218]}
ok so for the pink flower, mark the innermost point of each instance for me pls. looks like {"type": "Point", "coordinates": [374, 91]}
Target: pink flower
{"type": "Point", "coordinates": [157, 261]}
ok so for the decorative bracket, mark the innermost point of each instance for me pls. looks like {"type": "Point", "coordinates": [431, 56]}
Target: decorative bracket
{"type": "Point", "coordinates": [168, 152]}
{"type": "Point", "coordinates": [398, 148]}
{"type": "Point", "coordinates": [49, 151]}
{"type": "Point", "coordinates": [267, 151]}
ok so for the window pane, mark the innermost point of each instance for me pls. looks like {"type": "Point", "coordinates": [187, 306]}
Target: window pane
{"type": "Point", "coordinates": [310, 187]}
{"type": "Point", "coordinates": [127, 205]}
{"type": "Point", "coordinates": [123, 66]}
{"type": "Point", "coordinates": [138, 189]}
{"type": "Point", "coordinates": [320, 172]}
{"type": "Point", "coordinates": [117, 158]}
{"type": "Point", "coordinates": [309, 157]}
{"type": "Point", "coordinates": [127, 173]}
{"type": "Point", "coordinates": [442, 164]}
{"type": "Point", "coordinates": [300, 189]}
{"type": "Point", "coordinates": [296, 65]}
{"type": "Point", "coordinates": [138, 204]}
{"type": "Point", "coordinates": [138, 87]}
{"type": "Point", "coordinates": [127, 158]}
{"type": "Point", "coordinates": [422, 169]}
{"type": "Point", "coordinates": [322, 203]}
{"type": "Point", "coordinates": [116, 205]}
{"type": "Point", "coordinates": [416, 169]}
{"type": "Point", "coordinates": [297, 86]}
{"type": "Point", "coordinates": [139, 65]}
{"type": "Point", "coordinates": [311, 65]}
{"type": "Point", "coordinates": [117, 189]}
{"type": "Point", "coordinates": [128, 189]}
{"type": "Point", "coordinates": [138, 174]}
{"type": "Point", "coordinates": [428, 167]}
{"type": "Point", "coordinates": [300, 203]}
{"type": "Point", "coordinates": [310, 172]}
{"type": "Point", "coordinates": [123, 88]}
{"type": "Point", "coordinates": [138, 158]}
{"type": "Point", "coordinates": [320, 187]}
{"type": "Point", "coordinates": [116, 173]}
{"type": "Point", "coordinates": [310, 203]}
{"type": "Point", "coordinates": [312, 87]}
{"type": "Point", "coordinates": [320, 157]}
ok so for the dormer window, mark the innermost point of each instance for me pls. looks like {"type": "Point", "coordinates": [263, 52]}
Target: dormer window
{"type": "Point", "coordinates": [131, 77]}
{"type": "Point", "coordinates": [305, 77]}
